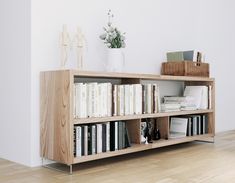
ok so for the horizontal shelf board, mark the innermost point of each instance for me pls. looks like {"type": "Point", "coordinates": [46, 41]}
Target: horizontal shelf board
{"type": "Point", "coordinates": [141, 147]}
{"type": "Point", "coordinates": [95, 74]}
{"type": "Point", "coordinates": [140, 116]}
{"type": "Point", "coordinates": [174, 141]}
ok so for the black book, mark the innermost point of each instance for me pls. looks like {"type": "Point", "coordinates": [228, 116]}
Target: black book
{"type": "Point", "coordinates": [89, 135]}
{"type": "Point", "coordinates": [123, 135]}
{"type": "Point", "coordinates": [82, 142]}
{"type": "Point", "coordinates": [206, 124]}
{"type": "Point", "coordinates": [103, 137]}
{"type": "Point", "coordinates": [112, 136]}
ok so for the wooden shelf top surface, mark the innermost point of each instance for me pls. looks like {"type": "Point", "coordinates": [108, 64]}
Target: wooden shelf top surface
{"type": "Point", "coordinates": [139, 116]}
{"type": "Point", "coordinates": [117, 75]}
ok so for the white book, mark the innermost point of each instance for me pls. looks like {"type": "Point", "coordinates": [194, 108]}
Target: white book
{"type": "Point", "coordinates": [178, 127]}
{"type": "Point", "coordinates": [139, 99]}
{"type": "Point", "coordinates": [102, 102]}
{"type": "Point", "coordinates": [116, 135]}
{"type": "Point", "coordinates": [109, 98]}
{"type": "Point", "coordinates": [99, 137]}
{"type": "Point", "coordinates": [200, 95]}
{"type": "Point", "coordinates": [89, 99]}
{"type": "Point", "coordinates": [127, 99]}
{"type": "Point", "coordinates": [115, 100]}
{"type": "Point", "coordinates": [205, 98]}
{"type": "Point", "coordinates": [78, 91]}
{"type": "Point", "coordinates": [93, 129]}
{"type": "Point", "coordinates": [155, 98]}
{"type": "Point", "coordinates": [92, 96]}
{"type": "Point", "coordinates": [131, 99]}
{"type": "Point", "coordinates": [94, 100]}
{"type": "Point", "coordinates": [135, 98]}
{"type": "Point", "coordinates": [78, 130]}
{"type": "Point", "coordinates": [107, 136]}
{"type": "Point", "coordinates": [121, 100]}
{"type": "Point", "coordinates": [83, 101]}
{"type": "Point", "coordinates": [149, 99]}
{"type": "Point", "coordinates": [99, 100]}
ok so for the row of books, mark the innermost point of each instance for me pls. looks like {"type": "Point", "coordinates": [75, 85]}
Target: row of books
{"type": "Point", "coordinates": [188, 126]}
{"type": "Point", "coordinates": [135, 99]}
{"type": "Point", "coordinates": [105, 99]}
{"type": "Point", "coordinates": [92, 100]}
{"type": "Point", "coordinates": [97, 138]}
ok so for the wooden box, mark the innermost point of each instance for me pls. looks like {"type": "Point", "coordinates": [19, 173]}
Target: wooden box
{"type": "Point", "coordinates": [185, 68]}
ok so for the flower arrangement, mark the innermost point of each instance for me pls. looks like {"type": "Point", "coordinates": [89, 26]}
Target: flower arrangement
{"type": "Point", "coordinates": [112, 37]}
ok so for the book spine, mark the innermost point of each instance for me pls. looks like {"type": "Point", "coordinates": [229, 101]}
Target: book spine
{"type": "Point", "coordinates": [93, 137]}
{"type": "Point", "coordinates": [112, 136]}
{"type": "Point", "coordinates": [82, 141]}
{"type": "Point", "coordinates": [104, 137]}
{"type": "Point", "coordinates": [116, 135]}
{"type": "Point", "coordinates": [115, 100]}
{"type": "Point", "coordinates": [85, 140]}
{"type": "Point", "coordinates": [89, 139]}
{"type": "Point", "coordinates": [99, 138]}
{"type": "Point", "coordinates": [123, 135]}
{"type": "Point", "coordinates": [120, 134]}
{"type": "Point", "coordinates": [143, 99]}
{"type": "Point", "coordinates": [122, 100]}
{"type": "Point", "coordinates": [107, 136]}
{"type": "Point", "coordinates": [109, 99]}
{"type": "Point", "coordinates": [126, 99]}
{"type": "Point", "coordinates": [131, 98]}
{"type": "Point", "coordinates": [139, 91]}
{"type": "Point", "coordinates": [78, 141]}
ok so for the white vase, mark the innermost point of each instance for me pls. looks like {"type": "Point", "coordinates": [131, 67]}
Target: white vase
{"type": "Point", "coordinates": [115, 60]}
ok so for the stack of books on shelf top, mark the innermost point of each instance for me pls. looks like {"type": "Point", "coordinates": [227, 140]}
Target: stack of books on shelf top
{"type": "Point", "coordinates": [98, 138]}
{"type": "Point", "coordinates": [105, 99]}
{"type": "Point", "coordinates": [188, 126]}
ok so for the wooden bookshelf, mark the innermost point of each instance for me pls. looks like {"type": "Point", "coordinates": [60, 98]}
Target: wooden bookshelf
{"type": "Point", "coordinates": [57, 118]}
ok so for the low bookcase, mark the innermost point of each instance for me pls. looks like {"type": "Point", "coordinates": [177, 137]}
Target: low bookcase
{"type": "Point", "coordinates": [57, 119]}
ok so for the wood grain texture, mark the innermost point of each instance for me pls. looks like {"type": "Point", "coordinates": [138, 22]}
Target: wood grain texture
{"type": "Point", "coordinates": [133, 127]}
{"type": "Point", "coordinates": [55, 122]}
{"type": "Point", "coordinates": [163, 126]}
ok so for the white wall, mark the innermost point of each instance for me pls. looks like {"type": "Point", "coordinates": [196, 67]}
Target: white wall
{"type": "Point", "coordinates": [216, 27]}
{"type": "Point", "coordinates": [153, 27]}
{"type": "Point", "coordinates": [15, 80]}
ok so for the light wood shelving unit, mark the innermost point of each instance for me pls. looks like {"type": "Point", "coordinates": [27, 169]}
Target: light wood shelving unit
{"type": "Point", "coordinates": [57, 119]}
